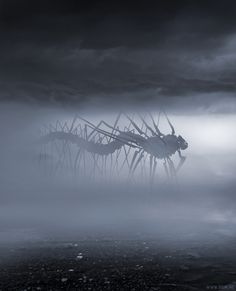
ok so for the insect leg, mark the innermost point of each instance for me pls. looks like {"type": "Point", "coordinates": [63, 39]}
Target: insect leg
{"type": "Point", "coordinates": [118, 155]}
{"type": "Point", "coordinates": [151, 166]}
{"type": "Point", "coordinates": [154, 169]}
{"type": "Point", "coordinates": [96, 128]}
{"type": "Point", "coordinates": [166, 169]}
{"type": "Point", "coordinates": [156, 125]}
{"type": "Point", "coordinates": [136, 126]}
{"type": "Point", "coordinates": [116, 122]}
{"type": "Point", "coordinates": [133, 160]}
{"type": "Point", "coordinates": [78, 161]}
{"type": "Point", "coordinates": [84, 162]}
{"type": "Point", "coordinates": [126, 158]}
{"type": "Point", "coordinates": [147, 126]}
{"type": "Point", "coordinates": [103, 122]}
{"type": "Point", "coordinates": [172, 168]}
{"type": "Point", "coordinates": [138, 161]}
{"type": "Point", "coordinates": [72, 124]}
{"type": "Point", "coordinates": [181, 162]}
{"type": "Point", "coordinates": [170, 124]}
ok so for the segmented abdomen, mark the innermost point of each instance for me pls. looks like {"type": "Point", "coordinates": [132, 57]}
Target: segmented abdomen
{"type": "Point", "coordinates": [89, 146]}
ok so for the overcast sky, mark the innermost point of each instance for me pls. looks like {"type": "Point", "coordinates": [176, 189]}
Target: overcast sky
{"type": "Point", "coordinates": [177, 54]}
{"type": "Point", "coordinates": [119, 52]}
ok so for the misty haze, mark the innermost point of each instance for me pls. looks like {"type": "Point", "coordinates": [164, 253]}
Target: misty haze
{"type": "Point", "coordinates": [117, 145]}
{"type": "Point", "coordinates": [38, 200]}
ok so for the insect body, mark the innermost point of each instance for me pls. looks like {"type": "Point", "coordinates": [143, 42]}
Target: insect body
{"type": "Point", "coordinates": [164, 147]}
{"type": "Point", "coordinates": [157, 146]}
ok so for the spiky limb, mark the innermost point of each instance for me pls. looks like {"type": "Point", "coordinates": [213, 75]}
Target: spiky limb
{"type": "Point", "coordinates": [136, 126]}
{"type": "Point", "coordinates": [181, 162]}
{"type": "Point", "coordinates": [171, 168]}
{"type": "Point", "coordinates": [147, 126]}
{"type": "Point", "coordinates": [166, 169]}
{"type": "Point", "coordinates": [137, 162]}
{"type": "Point", "coordinates": [170, 124]}
{"type": "Point", "coordinates": [156, 125]}
{"type": "Point", "coordinates": [133, 160]}
{"type": "Point", "coordinates": [154, 170]}
{"type": "Point", "coordinates": [116, 137]}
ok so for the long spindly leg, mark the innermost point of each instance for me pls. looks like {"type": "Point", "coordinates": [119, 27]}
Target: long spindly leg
{"type": "Point", "coordinates": [70, 156]}
{"type": "Point", "coordinates": [86, 136]}
{"type": "Point", "coordinates": [172, 169]}
{"type": "Point", "coordinates": [77, 165]}
{"type": "Point", "coordinates": [144, 167]}
{"type": "Point", "coordinates": [84, 163]}
{"type": "Point", "coordinates": [72, 124]}
{"type": "Point", "coordinates": [94, 130]}
{"type": "Point", "coordinates": [133, 160]}
{"type": "Point", "coordinates": [105, 166]}
{"type": "Point", "coordinates": [103, 159]}
{"type": "Point", "coordinates": [123, 140]}
{"type": "Point", "coordinates": [181, 162]}
{"type": "Point", "coordinates": [91, 172]}
{"type": "Point", "coordinates": [136, 126]}
{"type": "Point", "coordinates": [154, 170]}
{"type": "Point", "coordinates": [111, 164]}
{"type": "Point", "coordinates": [96, 157]}
{"type": "Point", "coordinates": [85, 132]}
{"type": "Point", "coordinates": [117, 160]}
{"type": "Point", "coordinates": [170, 124]}
{"type": "Point", "coordinates": [76, 160]}
{"type": "Point", "coordinates": [65, 148]}
{"type": "Point", "coordinates": [97, 127]}
{"type": "Point", "coordinates": [156, 125]}
{"type": "Point", "coordinates": [115, 166]}
{"type": "Point", "coordinates": [147, 126]}
{"type": "Point", "coordinates": [119, 153]}
{"type": "Point", "coordinates": [115, 123]}
{"type": "Point", "coordinates": [126, 160]}
{"type": "Point", "coordinates": [96, 163]}
{"type": "Point", "coordinates": [127, 152]}
{"type": "Point", "coordinates": [137, 162]}
{"type": "Point", "coordinates": [150, 166]}
{"type": "Point", "coordinates": [166, 169]}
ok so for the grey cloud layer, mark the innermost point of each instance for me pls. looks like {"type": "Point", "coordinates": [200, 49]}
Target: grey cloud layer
{"type": "Point", "coordinates": [80, 57]}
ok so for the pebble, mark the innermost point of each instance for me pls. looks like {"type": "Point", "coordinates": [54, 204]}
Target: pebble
{"type": "Point", "coordinates": [79, 256]}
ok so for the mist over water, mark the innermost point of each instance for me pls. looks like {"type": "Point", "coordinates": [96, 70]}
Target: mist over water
{"type": "Point", "coordinates": [36, 204]}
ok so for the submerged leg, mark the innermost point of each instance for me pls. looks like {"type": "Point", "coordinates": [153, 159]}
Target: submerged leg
{"type": "Point", "coordinates": [166, 169]}
{"type": "Point", "coordinates": [181, 162]}
{"type": "Point", "coordinates": [133, 159]}
{"type": "Point", "coordinates": [154, 170]}
{"type": "Point", "coordinates": [126, 160]}
{"type": "Point", "coordinates": [137, 162]}
{"type": "Point", "coordinates": [172, 168]}
{"type": "Point", "coordinates": [151, 166]}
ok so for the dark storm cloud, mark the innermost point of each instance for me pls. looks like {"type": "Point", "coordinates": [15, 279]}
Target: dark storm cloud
{"type": "Point", "coordinates": [79, 51]}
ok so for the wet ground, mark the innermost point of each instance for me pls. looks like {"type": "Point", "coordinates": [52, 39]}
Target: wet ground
{"type": "Point", "coordinates": [108, 264]}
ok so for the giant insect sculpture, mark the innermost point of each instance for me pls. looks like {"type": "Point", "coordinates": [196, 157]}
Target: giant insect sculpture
{"type": "Point", "coordinates": [157, 145]}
